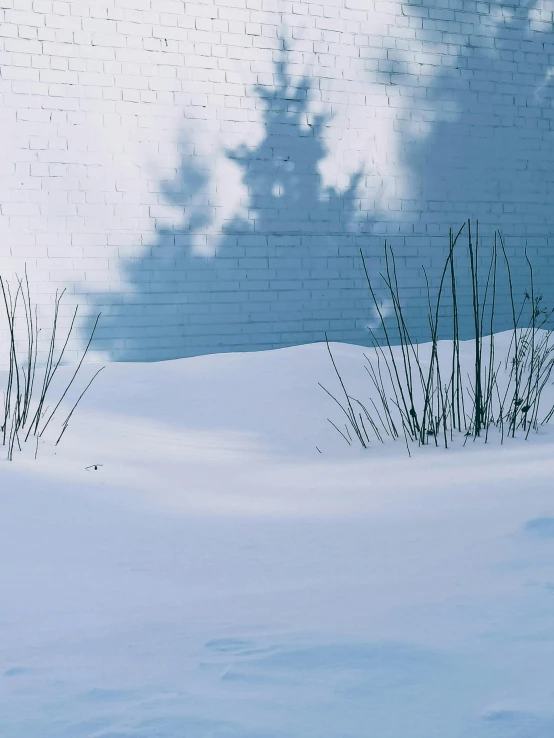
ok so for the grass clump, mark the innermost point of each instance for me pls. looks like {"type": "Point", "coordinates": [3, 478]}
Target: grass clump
{"type": "Point", "coordinates": [31, 399]}
{"type": "Point", "coordinates": [435, 395]}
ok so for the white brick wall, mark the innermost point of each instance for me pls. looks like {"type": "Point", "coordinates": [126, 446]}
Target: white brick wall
{"type": "Point", "coordinates": [140, 169]}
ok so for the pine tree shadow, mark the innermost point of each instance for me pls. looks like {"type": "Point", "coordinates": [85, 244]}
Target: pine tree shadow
{"type": "Point", "coordinates": [490, 154]}
{"type": "Point", "coordinates": [284, 272]}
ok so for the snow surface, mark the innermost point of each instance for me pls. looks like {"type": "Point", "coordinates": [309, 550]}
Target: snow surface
{"type": "Point", "coordinates": [219, 577]}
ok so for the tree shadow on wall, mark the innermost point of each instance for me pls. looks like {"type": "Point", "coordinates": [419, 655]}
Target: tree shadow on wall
{"type": "Point", "coordinates": [285, 272]}
{"type": "Point", "coordinates": [490, 152]}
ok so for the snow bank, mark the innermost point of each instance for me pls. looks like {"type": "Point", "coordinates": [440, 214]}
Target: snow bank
{"type": "Point", "coordinates": [232, 568]}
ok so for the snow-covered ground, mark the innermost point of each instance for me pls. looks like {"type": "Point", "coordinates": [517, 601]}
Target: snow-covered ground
{"type": "Point", "coordinates": [218, 576]}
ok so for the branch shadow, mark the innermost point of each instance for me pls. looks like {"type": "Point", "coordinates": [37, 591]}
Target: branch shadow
{"type": "Point", "coordinates": [489, 155]}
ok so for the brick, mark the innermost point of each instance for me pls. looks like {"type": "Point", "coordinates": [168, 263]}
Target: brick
{"type": "Point", "coordinates": [23, 18]}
